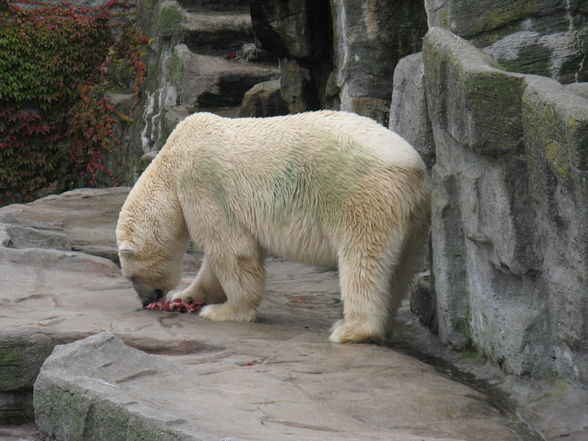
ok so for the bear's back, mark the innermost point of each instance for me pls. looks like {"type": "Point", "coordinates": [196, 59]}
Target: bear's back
{"type": "Point", "coordinates": [308, 134]}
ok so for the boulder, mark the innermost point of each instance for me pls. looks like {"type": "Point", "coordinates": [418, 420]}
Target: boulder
{"type": "Point", "coordinates": [263, 99]}
{"type": "Point", "coordinates": [555, 124]}
{"type": "Point", "coordinates": [299, 33]}
{"type": "Point", "coordinates": [297, 86]}
{"type": "Point", "coordinates": [91, 389]}
{"type": "Point", "coordinates": [196, 63]}
{"type": "Point", "coordinates": [22, 352]}
{"type": "Point", "coordinates": [23, 349]}
{"type": "Point", "coordinates": [339, 54]}
{"type": "Point", "coordinates": [478, 103]}
{"type": "Point", "coordinates": [509, 240]}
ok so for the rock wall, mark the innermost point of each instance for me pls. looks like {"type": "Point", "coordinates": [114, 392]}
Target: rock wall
{"type": "Point", "coordinates": [510, 202]}
{"type": "Point", "coordinates": [299, 33]}
{"type": "Point", "coordinates": [548, 38]}
{"type": "Point", "coordinates": [369, 39]}
{"type": "Point", "coordinates": [200, 59]}
{"type": "Point", "coordinates": [339, 54]}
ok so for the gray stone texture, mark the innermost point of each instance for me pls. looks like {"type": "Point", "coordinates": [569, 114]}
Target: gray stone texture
{"type": "Point", "coordinates": [299, 34]}
{"type": "Point", "coordinates": [263, 99]}
{"type": "Point", "coordinates": [369, 39]}
{"type": "Point", "coordinates": [284, 27]}
{"type": "Point", "coordinates": [94, 389]}
{"type": "Point", "coordinates": [22, 352]}
{"type": "Point", "coordinates": [206, 81]}
{"type": "Point", "coordinates": [548, 38]}
{"type": "Point", "coordinates": [510, 201]}
{"type": "Point", "coordinates": [65, 222]}
{"type": "Point", "coordinates": [101, 389]}
{"type": "Point", "coordinates": [339, 54]}
{"type": "Point", "coordinates": [15, 236]}
{"type": "Point", "coordinates": [408, 110]}
{"type": "Point", "coordinates": [196, 63]}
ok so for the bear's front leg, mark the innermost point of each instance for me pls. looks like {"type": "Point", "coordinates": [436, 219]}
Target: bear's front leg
{"type": "Point", "coordinates": [205, 287]}
{"type": "Point", "coordinates": [242, 279]}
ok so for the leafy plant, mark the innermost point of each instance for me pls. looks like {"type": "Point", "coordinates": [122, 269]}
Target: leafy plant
{"type": "Point", "coordinates": [56, 125]}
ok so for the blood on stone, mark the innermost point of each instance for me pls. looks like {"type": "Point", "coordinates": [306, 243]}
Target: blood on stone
{"type": "Point", "coordinates": [175, 305]}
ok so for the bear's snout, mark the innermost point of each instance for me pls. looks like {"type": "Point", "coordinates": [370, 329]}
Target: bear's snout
{"type": "Point", "coordinates": [146, 293]}
{"type": "Point", "coordinates": [154, 297]}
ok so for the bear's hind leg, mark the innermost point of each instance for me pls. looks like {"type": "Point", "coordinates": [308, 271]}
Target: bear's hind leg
{"type": "Point", "coordinates": [243, 280]}
{"type": "Point", "coordinates": [205, 287]}
{"type": "Point", "coordinates": [365, 290]}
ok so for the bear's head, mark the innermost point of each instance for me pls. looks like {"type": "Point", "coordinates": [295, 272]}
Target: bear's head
{"type": "Point", "coordinates": [150, 253]}
{"type": "Point", "coordinates": [152, 274]}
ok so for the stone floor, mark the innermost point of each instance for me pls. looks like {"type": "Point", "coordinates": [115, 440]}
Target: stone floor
{"type": "Point", "coordinates": [277, 379]}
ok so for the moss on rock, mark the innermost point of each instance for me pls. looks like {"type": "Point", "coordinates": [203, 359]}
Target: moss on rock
{"type": "Point", "coordinates": [557, 156]}
{"type": "Point", "coordinates": [477, 103]}
{"type": "Point", "coordinates": [169, 17]}
{"type": "Point", "coordinates": [176, 70]}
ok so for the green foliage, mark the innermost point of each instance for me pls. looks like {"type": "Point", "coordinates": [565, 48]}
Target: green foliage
{"type": "Point", "coordinates": [55, 124]}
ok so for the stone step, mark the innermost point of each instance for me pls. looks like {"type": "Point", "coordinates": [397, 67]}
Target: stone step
{"type": "Point", "coordinates": [209, 81]}
{"type": "Point", "coordinates": [100, 389]}
{"type": "Point", "coordinates": [227, 112]}
{"type": "Point", "coordinates": [215, 5]}
{"type": "Point", "coordinates": [216, 33]}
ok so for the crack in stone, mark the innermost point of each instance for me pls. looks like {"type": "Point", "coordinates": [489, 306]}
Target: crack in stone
{"type": "Point", "coordinates": [136, 375]}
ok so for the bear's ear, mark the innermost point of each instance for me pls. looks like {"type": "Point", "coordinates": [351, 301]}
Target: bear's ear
{"type": "Point", "coordinates": [126, 249]}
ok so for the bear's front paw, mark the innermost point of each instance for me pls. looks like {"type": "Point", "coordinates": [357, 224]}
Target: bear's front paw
{"type": "Point", "coordinates": [225, 313]}
{"type": "Point", "coordinates": [186, 296]}
{"type": "Point", "coordinates": [356, 332]}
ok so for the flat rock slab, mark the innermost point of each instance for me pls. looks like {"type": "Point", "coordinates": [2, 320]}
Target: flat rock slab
{"type": "Point", "coordinates": [85, 217]}
{"type": "Point", "coordinates": [99, 388]}
{"type": "Point", "coordinates": [277, 379]}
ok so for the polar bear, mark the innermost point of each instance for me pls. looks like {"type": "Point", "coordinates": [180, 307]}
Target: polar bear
{"type": "Point", "coordinates": [322, 187]}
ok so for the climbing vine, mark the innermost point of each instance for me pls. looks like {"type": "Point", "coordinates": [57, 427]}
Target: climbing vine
{"type": "Point", "coordinates": [56, 63]}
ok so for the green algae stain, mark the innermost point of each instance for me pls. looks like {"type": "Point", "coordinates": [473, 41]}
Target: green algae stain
{"type": "Point", "coordinates": [472, 356]}
{"type": "Point", "coordinates": [556, 155]}
{"type": "Point", "coordinates": [170, 16]}
{"type": "Point", "coordinates": [176, 70]}
{"type": "Point", "coordinates": [444, 20]}
{"type": "Point", "coordinates": [502, 16]}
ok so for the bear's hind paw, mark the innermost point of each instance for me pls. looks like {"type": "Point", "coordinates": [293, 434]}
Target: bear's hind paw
{"type": "Point", "coordinates": [225, 313]}
{"type": "Point", "coordinates": [356, 332]}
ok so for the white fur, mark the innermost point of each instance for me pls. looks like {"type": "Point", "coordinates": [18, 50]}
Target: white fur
{"type": "Point", "coordinates": [320, 187]}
